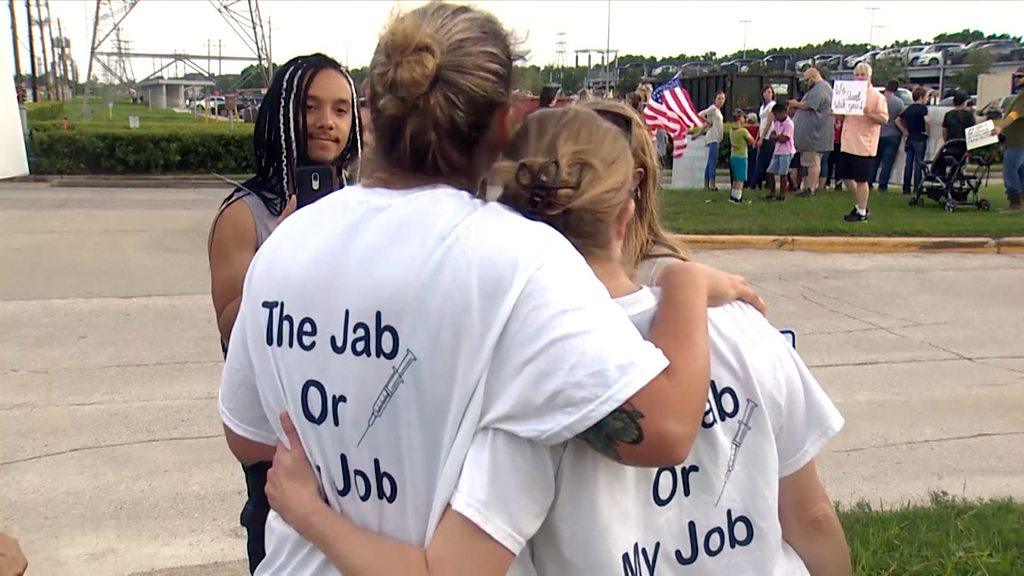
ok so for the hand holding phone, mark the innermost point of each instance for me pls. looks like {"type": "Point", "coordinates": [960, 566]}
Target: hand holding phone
{"type": "Point", "coordinates": [313, 183]}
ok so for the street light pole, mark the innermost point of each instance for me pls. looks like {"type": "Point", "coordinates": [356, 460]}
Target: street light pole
{"type": "Point", "coordinates": [871, 29]}
{"type": "Point", "coordinates": [745, 22]}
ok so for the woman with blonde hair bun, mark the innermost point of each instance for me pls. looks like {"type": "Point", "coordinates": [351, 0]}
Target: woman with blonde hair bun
{"type": "Point", "coordinates": [382, 329]}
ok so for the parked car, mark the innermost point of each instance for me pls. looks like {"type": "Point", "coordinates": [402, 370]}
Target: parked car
{"type": "Point", "coordinates": [905, 95]}
{"type": "Point", "coordinates": [869, 57]}
{"type": "Point", "coordinates": [1004, 50]}
{"type": "Point", "coordinates": [934, 54]}
{"type": "Point", "coordinates": [889, 54]}
{"type": "Point", "coordinates": [948, 101]}
{"type": "Point", "coordinates": [694, 68]}
{"type": "Point", "coordinates": [777, 62]}
{"type": "Point", "coordinates": [910, 53]}
{"type": "Point", "coordinates": [737, 65]}
{"type": "Point", "coordinates": [1001, 50]}
{"type": "Point", "coordinates": [804, 64]}
{"type": "Point", "coordinates": [830, 61]}
{"type": "Point", "coordinates": [216, 104]}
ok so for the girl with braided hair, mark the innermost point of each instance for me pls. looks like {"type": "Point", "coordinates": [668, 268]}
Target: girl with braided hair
{"type": "Point", "coordinates": [307, 117]}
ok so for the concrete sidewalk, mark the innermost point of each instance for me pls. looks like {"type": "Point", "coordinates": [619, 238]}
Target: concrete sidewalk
{"type": "Point", "coordinates": [113, 461]}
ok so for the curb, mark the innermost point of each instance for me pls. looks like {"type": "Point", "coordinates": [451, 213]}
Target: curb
{"type": "Point", "coordinates": [847, 244]}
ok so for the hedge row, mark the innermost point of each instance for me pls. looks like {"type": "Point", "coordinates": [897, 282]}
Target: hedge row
{"type": "Point", "coordinates": [45, 111]}
{"type": "Point", "coordinates": [76, 152]}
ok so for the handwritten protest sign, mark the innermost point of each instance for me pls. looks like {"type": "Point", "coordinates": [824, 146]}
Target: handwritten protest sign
{"type": "Point", "coordinates": [849, 97]}
{"type": "Point", "coordinates": [980, 135]}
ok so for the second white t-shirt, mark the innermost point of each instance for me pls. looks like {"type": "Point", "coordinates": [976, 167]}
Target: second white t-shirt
{"type": "Point", "coordinates": [392, 325]}
{"type": "Point", "coordinates": [765, 413]}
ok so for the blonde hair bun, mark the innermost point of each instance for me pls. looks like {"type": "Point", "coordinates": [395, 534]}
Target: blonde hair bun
{"type": "Point", "coordinates": [411, 61]}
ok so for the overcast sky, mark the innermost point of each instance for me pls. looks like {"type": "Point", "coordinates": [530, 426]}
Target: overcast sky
{"type": "Point", "coordinates": [347, 30]}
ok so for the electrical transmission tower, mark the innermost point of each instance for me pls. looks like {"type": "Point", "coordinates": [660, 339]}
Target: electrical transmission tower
{"type": "Point", "coordinates": [106, 24]}
{"type": "Point", "coordinates": [560, 55]}
{"type": "Point", "coordinates": [244, 18]}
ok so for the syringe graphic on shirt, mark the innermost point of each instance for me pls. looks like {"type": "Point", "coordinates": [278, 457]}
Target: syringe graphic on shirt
{"type": "Point", "coordinates": [737, 441]}
{"type": "Point", "coordinates": [388, 391]}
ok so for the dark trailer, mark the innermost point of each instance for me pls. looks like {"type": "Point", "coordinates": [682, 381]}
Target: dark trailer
{"type": "Point", "coordinates": [742, 89]}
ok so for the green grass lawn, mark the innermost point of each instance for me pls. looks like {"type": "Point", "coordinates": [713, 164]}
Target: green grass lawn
{"type": "Point", "coordinates": [151, 120]}
{"type": "Point", "coordinates": [949, 537]}
{"type": "Point", "coordinates": [709, 212]}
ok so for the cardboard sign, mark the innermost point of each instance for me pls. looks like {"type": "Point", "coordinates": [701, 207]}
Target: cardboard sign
{"type": "Point", "coordinates": [849, 97]}
{"type": "Point", "coordinates": [980, 135]}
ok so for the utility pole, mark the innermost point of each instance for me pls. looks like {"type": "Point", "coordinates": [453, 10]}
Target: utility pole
{"type": "Point", "coordinates": [64, 59]}
{"type": "Point", "coordinates": [220, 56]}
{"type": "Point", "coordinates": [92, 50]}
{"type": "Point", "coordinates": [270, 51]}
{"type": "Point", "coordinates": [607, 51]}
{"type": "Point", "coordinates": [42, 44]}
{"type": "Point", "coordinates": [744, 23]}
{"type": "Point", "coordinates": [14, 38]}
{"type": "Point", "coordinates": [59, 88]}
{"type": "Point", "coordinates": [31, 51]}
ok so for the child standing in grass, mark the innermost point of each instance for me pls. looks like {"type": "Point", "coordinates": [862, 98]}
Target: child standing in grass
{"type": "Point", "coordinates": [781, 133]}
{"type": "Point", "coordinates": [739, 140]}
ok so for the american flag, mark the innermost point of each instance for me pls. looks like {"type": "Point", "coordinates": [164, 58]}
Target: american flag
{"type": "Point", "coordinates": [671, 110]}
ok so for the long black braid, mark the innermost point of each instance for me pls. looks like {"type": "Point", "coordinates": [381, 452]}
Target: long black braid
{"type": "Point", "coordinates": [279, 138]}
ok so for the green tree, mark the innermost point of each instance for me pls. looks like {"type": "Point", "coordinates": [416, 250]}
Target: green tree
{"type": "Point", "coordinates": [886, 69]}
{"type": "Point", "coordinates": [978, 62]}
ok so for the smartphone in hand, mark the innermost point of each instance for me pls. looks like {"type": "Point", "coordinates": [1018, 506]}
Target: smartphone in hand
{"type": "Point", "coordinates": [313, 183]}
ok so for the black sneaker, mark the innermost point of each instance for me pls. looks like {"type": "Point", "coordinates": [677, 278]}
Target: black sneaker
{"type": "Point", "coordinates": [735, 200]}
{"type": "Point", "coordinates": [855, 216]}
{"type": "Point", "coordinates": [805, 193]}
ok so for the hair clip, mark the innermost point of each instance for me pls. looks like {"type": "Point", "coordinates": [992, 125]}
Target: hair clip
{"type": "Point", "coordinates": [542, 184]}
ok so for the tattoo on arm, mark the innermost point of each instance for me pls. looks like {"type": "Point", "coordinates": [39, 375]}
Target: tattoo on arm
{"type": "Point", "coordinates": [621, 426]}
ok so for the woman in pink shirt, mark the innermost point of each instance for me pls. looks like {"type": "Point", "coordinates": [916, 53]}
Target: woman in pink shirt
{"type": "Point", "coordinates": [859, 144]}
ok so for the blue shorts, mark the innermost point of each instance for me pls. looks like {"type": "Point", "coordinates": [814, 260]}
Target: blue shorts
{"type": "Point", "coordinates": [739, 168]}
{"type": "Point", "coordinates": [780, 164]}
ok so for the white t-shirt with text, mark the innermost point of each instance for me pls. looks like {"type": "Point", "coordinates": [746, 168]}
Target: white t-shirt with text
{"type": "Point", "coordinates": [597, 517]}
{"type": "Point", "coordinates": [392, 325]}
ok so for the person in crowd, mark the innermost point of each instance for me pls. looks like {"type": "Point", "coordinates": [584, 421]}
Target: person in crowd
{"type": "Point", "coordinates": [813, 121]}
{"type": "Point", "coordinates": [714, 131]}
{"type": "Point", "coordinates": [12, 559]}
{"type": "Point", "coordinates": [775, 493]}
{"type": "Point", "coordinates": [549, 96]}
{"type": "Point", "coordinates": [307, 117]}
{"type": "Point", "coordinates": [956, 121]}
{"type": "Point", "coordinates": [889, 139]}
{"type": "Point", "coordinates": [752, 126]}
{"type": "Point", "coordinates": [446, 315]}
{"type": "Point", "coordinates": [739, 141]}
{"type": "Point", "coordinates": [765, 147]}
{"type": "Point", "coordinates": [584, 96]}
{"type": "Point", "coordinates": [859, 144]}
{"type": "Point", "coordinates": [1011, 127]}
{"type": "Point", "coordinates": [781, 133]}
{"type": "Point", "coordinates": [833, 157]}
{"type": "Point", "coordinates": [913, 123]}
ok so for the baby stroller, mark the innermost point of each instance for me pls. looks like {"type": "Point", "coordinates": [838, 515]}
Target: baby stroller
{"type": "Point", "coordinates": [948, 180]}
